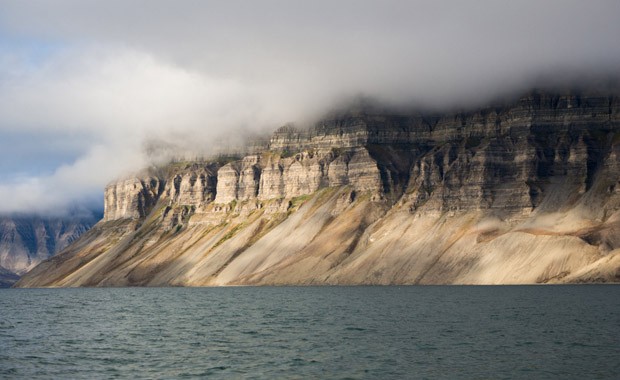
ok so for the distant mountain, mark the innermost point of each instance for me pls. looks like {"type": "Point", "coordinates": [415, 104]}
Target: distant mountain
{"type": "Point", "coordinates": [26, 240]}
{"type": "Point", "coordinates": [7, 278]}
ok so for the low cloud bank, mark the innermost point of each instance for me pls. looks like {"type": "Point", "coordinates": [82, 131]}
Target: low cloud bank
{"type": "Point", "coordinates": [119, 76]}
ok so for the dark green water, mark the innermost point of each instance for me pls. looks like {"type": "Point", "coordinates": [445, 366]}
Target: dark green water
{"type": "Point", "coordinates": [311, 332]}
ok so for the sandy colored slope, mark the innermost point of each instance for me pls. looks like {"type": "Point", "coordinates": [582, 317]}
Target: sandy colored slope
{"type": "Point", "coordinates": [331, 238]}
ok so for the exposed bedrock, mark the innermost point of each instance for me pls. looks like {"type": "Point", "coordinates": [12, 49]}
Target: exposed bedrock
{"type": "Point", "coordinates": [523, 193]}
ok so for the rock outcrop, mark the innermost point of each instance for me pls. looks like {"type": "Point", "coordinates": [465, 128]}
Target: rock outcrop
{"type": "Point", "coordinates": [520, 193]}
{"type": "Point", "coordinates": [131, 198]}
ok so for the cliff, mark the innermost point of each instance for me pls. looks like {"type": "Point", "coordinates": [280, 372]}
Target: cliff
{"type": "Point", "coordinates": [522, 193]}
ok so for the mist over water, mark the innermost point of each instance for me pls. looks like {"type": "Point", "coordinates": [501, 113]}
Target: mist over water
{"type": "Point", "coordinates": [568, 332]}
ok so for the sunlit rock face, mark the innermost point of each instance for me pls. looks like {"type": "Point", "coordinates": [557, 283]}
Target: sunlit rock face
{"type": "Point", "coordinates": [238, 180]}
{"type": "Point", "coordinates": [131, 198]}
{"type": "Point", "coordinates": [192, 186]}
{"type": "Point", "coordinates": [492, 158]}
{"type": "Point", "coordinates": [519, 193]}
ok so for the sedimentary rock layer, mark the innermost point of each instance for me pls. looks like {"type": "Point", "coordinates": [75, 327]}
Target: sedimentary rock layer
{"type": "Point", "coordinates": [524, 193]}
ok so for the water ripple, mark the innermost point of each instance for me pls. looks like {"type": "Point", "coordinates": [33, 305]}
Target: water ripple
{"type": "Point", "coordinates": [311, 332]}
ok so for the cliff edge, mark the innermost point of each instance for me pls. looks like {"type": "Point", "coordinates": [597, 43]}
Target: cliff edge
{"type": "Point", "coordinates": [524, 193]}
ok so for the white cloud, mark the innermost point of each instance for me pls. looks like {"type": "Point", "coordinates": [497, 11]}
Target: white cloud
{"type": "Point", "coordinates": [119, 73]}
{"type": "Point", "coordinates": [115, 99]}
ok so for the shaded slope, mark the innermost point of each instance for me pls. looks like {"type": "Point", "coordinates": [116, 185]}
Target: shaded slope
{"type": "Point", "coordinates": [27, 240]}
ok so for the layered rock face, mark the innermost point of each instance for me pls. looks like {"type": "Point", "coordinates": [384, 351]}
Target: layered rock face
{"type": "Point", "coordinates": [131, 198]}
{"type": "Point", "coordinates": [513, 194]}
{"type": "Point", "coordinates": [25, 241]}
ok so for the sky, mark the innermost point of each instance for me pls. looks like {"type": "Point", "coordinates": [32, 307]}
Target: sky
{"type": "Point", "coordinates": [86, 86]}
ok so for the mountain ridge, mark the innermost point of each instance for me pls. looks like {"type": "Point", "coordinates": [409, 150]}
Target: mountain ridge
{"type": "Point", "coordinates": [521, 193]}
{"type": "Point", "coordinates": [26, 239]}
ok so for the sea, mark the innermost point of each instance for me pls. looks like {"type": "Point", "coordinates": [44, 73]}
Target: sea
{"type": "Point", "coordinates": [361, 332]}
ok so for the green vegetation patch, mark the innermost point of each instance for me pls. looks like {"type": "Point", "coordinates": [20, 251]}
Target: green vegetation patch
{"type": "Point", "coordinates": [229, 235]}
{"type": "Point", "coordinates": [296, 202]}
{"type": "Point", "coordinates": [226, 159]}
{"type": "Point", "coordinates": [233, 205]}
{"type": "Point", "coordinates": [286, 153]}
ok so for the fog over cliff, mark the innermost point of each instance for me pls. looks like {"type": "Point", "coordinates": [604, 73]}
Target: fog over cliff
{"type": "Point", "coordinates": [86, 85]}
